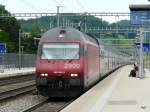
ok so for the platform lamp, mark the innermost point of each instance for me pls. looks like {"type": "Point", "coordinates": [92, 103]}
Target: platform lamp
{"type": "Point", "coordinates": [22, 55]}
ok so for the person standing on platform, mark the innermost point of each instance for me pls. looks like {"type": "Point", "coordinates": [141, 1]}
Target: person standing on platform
{"type": "Point", "coordinates": [134, 71]}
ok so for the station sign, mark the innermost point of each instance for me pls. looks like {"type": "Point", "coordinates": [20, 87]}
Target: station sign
{"type": "Point", "coordinates": [146, 46]}
{"type": "Point", "coordinates": [3, 48]}
{"type": "Point", "coordinates": [140, 14]}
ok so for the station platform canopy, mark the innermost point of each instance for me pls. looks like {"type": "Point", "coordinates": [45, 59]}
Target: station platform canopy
{"type": "Point", "coordinates": [141, 7]}
{"type": "Point", "coordinates": [140, 14]}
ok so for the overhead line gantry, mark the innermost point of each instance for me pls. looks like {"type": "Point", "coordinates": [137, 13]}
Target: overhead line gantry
{"type": "Point", "coordinates": [66, 14]}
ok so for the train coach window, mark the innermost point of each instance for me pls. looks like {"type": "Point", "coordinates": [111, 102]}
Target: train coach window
{"type": "Point", "coordinates": [102, 54]}
{"type": "Point", "coordinates": [60, 51]}
{"type": "Point", "coordinates": [85, 49]}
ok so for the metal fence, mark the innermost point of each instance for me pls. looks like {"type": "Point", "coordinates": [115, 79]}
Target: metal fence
{"type": "Point", "coordinates": [12, 61]}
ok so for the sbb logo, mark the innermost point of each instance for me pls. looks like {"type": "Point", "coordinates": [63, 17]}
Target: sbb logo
{"type": "Point", "coordinates": [71, 65]}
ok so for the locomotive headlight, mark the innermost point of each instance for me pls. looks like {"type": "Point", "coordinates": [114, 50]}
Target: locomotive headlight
{"type": "Point", "coordinates": [46, 75]}
{"type": "Point", "coordinates": [42, 75]}
{"type": "Point", "coordinates": [74, 75]}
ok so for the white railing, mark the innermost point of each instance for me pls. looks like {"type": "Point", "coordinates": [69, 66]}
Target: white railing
{"type": "Point", "coordinates": [7, 67]}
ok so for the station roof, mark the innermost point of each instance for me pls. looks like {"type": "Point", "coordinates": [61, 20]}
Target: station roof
{"type": "Point", "coordinates": [140, 7]}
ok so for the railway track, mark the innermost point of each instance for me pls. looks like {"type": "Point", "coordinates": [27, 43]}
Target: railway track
{"type": "Point", "coordinates": [14, 90]}
{"type": "Point", "coordinates": [49, 105]}
{"type": "Point", "coordinates": [16, 85]}
{"type": "Point", "coordinates": [16, 79]}
{"type": "Point", "coordinates": [36, 106]}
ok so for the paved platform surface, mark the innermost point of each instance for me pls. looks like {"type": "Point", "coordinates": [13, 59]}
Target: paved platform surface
{"type": "Point", "coordinates": [116, 93]}
{"type": "Point", "coordinates": [16, 71]}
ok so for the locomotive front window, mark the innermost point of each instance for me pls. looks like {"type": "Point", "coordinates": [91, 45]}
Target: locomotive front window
{"type": "Point", "coordinates": [60, 51]}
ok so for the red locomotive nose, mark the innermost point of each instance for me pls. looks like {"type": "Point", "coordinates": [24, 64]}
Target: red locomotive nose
{"type": "Point", "coordinates": [65, 68]}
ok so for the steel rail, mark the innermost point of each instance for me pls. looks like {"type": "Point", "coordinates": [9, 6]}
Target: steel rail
{"type": "Point", "coordinates": [36, 106]}
{"type": "Point", "coordinates": [56, 109]}
{"type": "Point", "coordinates": [16, 79]}
{"type": "Point", "coordinates": [15, 92]}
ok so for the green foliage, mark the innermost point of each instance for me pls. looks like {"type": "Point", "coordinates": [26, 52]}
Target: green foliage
{"type": "Point", "coordinates": [9, 33]}
{"type": "Point", "coordinates": [2, 35]}
{"type": "Point", "coordinates": [29, 46]}
{"type": "Point", "coordinates": [10, 46]}
{"type": "Point", "coordinates": [121, 43]}
{"type": "Point", "coordinates": [51, 21]}
{"type": "Point", "coordinates": [35, 30]}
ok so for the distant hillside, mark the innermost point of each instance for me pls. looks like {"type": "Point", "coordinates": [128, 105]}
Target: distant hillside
{"type": "Point", "coordinates": [51, 21]}
{"type": "Point", "coordinates": [47, 22]}
{"type": "Point", "coordinates": [124, 23]}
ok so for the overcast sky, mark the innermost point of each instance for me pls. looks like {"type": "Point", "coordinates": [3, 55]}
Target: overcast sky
{"type": "Point", "coordinates": [15, 6]}
{"type": "Point", "coordinates": [35, 6]}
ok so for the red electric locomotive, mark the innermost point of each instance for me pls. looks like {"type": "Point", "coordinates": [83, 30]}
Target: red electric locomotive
{"type": "Point", "coordinates": [67, 62]}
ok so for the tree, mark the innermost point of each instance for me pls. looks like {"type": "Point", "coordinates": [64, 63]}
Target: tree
{"type": "Point", "coordinates": [10, 27]}
{"type": "Point", "coordinates": [35, 30]}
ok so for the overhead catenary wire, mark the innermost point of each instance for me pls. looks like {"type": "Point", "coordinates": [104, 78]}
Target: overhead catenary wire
{"type": "Point", "coordinates": [57, 3]}
{"type": "Point", "coordinates": [65, 21]}
{"type": "Point", "coordinates": [60, 4]}
{"type": "Point", "coordinates": [30, 5]}
{"type": "Point", "coordinates": [80, 5]}
{"type": "Point", "coordinates": [33, 6]}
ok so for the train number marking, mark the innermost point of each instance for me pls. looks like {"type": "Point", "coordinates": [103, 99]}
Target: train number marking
{"type": "Point", "coordinates": [71, 65]}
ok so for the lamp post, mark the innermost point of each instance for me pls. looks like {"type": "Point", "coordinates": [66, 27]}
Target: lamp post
{"type": "Point", "coordinates": [21, 54]}
{"type": "Point", "coordinates": [141, 67]}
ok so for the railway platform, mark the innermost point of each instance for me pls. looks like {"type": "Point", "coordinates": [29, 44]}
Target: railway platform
{"type": "Point", "coordinates": [17, 72]}
{"type": "Point", "coordinates": [116, 93]}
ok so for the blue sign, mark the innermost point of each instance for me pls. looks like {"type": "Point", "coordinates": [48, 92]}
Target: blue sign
{"type": "Point", "coordinates": [3, 48]}
{"type": "Point", "coordinates": [146, 46]}
{"type": "Point", "coordinates": [140, 17]}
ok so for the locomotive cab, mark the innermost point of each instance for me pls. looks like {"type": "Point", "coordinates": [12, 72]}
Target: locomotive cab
{"type": "Point", "coordinates": [64, 63]}
{"type": "Point", "coordinates": [59, 66]}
